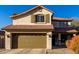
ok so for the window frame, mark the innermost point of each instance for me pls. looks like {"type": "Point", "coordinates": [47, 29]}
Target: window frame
{"type": "Point", "coordinates": [38, 19]}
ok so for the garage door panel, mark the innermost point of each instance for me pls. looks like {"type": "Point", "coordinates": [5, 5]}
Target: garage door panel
{"type": "Point", "coordinates": [21, 41]}
{"type": "Point", "coordinates": [32, 41]}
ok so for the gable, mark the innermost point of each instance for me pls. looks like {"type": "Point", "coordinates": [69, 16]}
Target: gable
{"type": "Point", "coordinates": [37, 10]}
{"type": "Point", "coordinates": [30, 18]}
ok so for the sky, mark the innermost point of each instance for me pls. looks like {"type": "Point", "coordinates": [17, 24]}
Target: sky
{"type": "Point", "coordinates": [63, 11]}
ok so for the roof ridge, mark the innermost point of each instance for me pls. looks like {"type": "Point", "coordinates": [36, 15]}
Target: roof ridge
{"type": "Point", "coordinates": [30, 10]}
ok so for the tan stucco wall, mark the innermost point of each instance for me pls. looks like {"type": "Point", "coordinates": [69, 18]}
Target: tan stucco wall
{"type": "Point", "coordinates": [7, 40]}
{"type": "Point", "coordinates": [49, 40]}
{"type": "Point", "coordinates": [27, 19]}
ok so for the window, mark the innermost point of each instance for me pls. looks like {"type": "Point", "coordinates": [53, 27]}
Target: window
{"type": "Point", "coordinates": [61, 24]}
{"type": "Point", "coordinates": [56, 24]}
{"type": "Point", "coordinates": [69, 23]}
{"type": "Point", "coordinates": [39, 18]}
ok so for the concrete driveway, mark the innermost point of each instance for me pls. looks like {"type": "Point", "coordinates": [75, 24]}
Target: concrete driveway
{"type": "Point", "coordinates": [22, 51]}
{"type": "Point", "coordinates": [36, 51]}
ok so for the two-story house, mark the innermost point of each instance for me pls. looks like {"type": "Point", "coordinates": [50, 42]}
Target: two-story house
{"type": "Point", "coordinates": [63, 30]}
{"type": "Point", "coordinates": [36, 28]}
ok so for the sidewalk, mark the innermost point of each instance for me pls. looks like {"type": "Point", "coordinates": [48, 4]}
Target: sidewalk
{"type": "Point", "coordinates": [60, 51]}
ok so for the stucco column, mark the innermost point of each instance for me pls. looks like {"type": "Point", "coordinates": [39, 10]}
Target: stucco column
{"type": "Point", "coordinates": [49, 40]}
{"type": "Point", "coordinates": [59, 39]}
{"type": "Point", "coordinates": [7, 40]}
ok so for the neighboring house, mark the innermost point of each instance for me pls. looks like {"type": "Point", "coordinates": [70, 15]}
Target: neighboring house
{"type": "Point", "coordinates": [37, 28]}
{"type": "Point", "coordinates": [2, 39]}
{"type": "Point", "coordinates": [63, 30]}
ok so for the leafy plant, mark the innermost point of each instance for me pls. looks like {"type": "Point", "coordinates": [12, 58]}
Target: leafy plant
{"type": "Point", "coordinates": [74, 44]}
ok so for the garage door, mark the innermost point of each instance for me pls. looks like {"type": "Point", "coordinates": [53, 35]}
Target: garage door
{"type": "Point", "coordinates": [32, 40]}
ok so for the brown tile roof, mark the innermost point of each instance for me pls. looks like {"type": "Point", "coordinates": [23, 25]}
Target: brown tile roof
{"type": "Point", "coordinates": [28, 27]}
{"type": "Point", "coordinates": [56, 18]}
{"type": "Point", "coordinates": [60, 19]}
{"type": "Point", "coordinates": [39, 6]}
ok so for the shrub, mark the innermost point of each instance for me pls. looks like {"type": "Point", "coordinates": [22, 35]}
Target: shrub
{"type": "Point", "coordinates": [74, 44]}
{"type": "Point", "coordinates": [67, 43]}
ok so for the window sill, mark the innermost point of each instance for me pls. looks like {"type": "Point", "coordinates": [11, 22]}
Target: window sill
{"type": "Point", "coordinates": [40, 22]}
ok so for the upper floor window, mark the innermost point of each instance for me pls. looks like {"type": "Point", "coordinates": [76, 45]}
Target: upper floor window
{"type": "Point", "coordinates": [62, 24]}
{"type": "Point", "coordinates": [69, 23]}
{"type": "Point", "coordinates": [40, 18]}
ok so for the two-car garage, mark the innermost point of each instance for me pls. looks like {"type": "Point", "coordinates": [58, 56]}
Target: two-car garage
{"type": "Point", "coordinates": [29, 40]}
{"type": "Point", "coordinates": [28, 36]}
